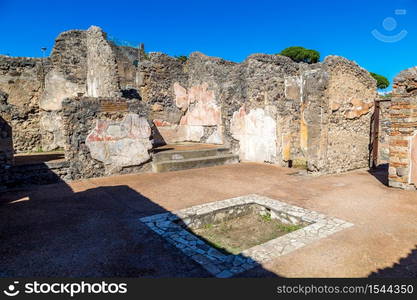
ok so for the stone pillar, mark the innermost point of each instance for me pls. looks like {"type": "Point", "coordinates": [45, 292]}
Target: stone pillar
{"type": "Point", "coordinates": [403, 140]}
{"type": "Point", "coordinates": [403, 143]}
{"type": "Point", "coordinates": [102, 73]}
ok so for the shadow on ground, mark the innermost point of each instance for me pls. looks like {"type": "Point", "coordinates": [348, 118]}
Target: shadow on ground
{"type": "Point", "coordinates": [381, 173]}
{"type": "Point", "coordinates": [53, 231]}
{"type": "Point", "coordinates": [405, 268]}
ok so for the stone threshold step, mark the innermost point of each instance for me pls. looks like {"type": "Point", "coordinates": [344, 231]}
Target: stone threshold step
{"type": "Point", "coordinates": [192, 163]}
{"type": "Point", "coordinates": [175, 155]}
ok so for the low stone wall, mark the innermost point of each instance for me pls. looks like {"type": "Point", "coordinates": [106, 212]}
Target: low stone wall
{"type": "Point", "coordinates": [33, 174]}
{"type": "Point", "coordinates": [105, 136]}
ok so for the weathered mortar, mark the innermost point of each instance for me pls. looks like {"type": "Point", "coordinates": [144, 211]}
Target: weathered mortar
{"type": "Point", "coordinates": [351, 92]}
{"type": "Point", "coordinates": [21, 87]}
{"type": "Point", "coordinates": [66, 78]}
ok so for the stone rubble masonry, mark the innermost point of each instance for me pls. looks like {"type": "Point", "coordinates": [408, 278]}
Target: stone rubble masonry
{"type": "Point", "coordinates": [351, 93]}
{"type": "Point", "coordinates": [20, 89]}
{"type": "Point", "coordinates": [66, 78]}
{"type": "Point", "coordinates": [317, 115]}
{"type": "Point", "coordinates": [36, 87]}
{"type": "Point", "coordinates": [105, 136]}
{"type": "Point", "coordinates": [102, 72]}
{"type": "Point", "coordinates": [266, 109]}
{"type": "Point", "coordinates": [384, 131]}
{"type": "Point", "coordinates": [33, 174]}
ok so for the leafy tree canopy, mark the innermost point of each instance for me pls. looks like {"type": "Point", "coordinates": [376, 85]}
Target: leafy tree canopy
{"type": "Point", "coordinates": [381, 81]}
{"type": "Point", "coordinates": [301, 54]}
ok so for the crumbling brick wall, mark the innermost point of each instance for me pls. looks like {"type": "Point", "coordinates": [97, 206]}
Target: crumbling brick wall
{"type": "Point", "coordinates": [403, 133]}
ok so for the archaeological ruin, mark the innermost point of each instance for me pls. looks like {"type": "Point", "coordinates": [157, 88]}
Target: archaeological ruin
{"type": "Point", "coordinates": [112, 109]}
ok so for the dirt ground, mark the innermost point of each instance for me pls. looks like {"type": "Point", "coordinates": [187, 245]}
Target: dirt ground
{"type": "Point", "coordinates": [92, 228]}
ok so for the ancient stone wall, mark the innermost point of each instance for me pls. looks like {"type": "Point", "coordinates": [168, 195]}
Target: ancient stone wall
{"type": "Point", "coordinates": [351, 92]}
{"type": "Point", "coordinates": [20, 90]}
{"type": "Point", "coordinates": [106, 136]}
{"type": "Point", "coordinates": [66, 78]}
{"type": "Point", "coordinates": [127, 60]}
{"type": "Point", "coordinates": [267, 108]}
{"type": "Point", "coordinates": [83, 61]}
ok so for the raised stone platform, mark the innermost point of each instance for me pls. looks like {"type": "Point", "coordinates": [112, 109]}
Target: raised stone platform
{"type": "Point", "coordinates": [182, 157]}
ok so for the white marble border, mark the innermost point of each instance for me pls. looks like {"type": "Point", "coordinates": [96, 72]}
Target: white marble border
{"type": "Point", "coordinates": [222, 265]}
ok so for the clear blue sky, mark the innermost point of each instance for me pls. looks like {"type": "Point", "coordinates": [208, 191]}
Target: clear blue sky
{"type": "Point", "coordinates": [228, 29]}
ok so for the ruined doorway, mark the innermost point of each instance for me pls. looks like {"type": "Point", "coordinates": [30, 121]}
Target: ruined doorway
{"type": "Point", "coordinates": [379, 134]}
{"type": "Point", "coordinates": [374, 136]}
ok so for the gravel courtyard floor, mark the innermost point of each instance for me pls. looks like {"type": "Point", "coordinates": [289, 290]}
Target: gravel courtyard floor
{"type": "Point", "coordinates": [92, 228]}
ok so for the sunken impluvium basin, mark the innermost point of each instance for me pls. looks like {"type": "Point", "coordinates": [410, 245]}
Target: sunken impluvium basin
{"type": "Point", "coordinates": [231, 236]}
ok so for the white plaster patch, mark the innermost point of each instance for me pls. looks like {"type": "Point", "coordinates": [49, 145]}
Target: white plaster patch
{"type": "Point", "coordinates": [57, 88]}
{"type": "Point", "coordinates": [256, 133]}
